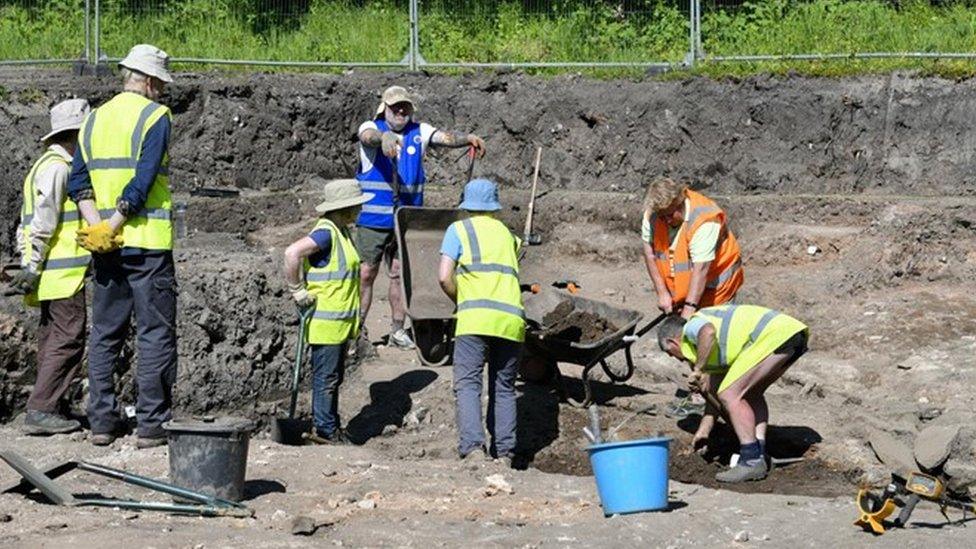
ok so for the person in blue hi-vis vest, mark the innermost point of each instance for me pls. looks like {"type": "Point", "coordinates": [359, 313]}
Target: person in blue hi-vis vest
{"type": "Point", "coordinates": [394, 137]}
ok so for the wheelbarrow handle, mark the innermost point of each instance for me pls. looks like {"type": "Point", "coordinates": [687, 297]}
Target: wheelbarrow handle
{"type": "Point", "coordinates": [643, 331]}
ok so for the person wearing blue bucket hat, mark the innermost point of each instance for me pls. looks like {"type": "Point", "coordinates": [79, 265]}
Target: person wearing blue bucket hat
{"type": "Point", "coordinates": [479, 271]}
{"type": "Point", "coordinates": [736, 352]}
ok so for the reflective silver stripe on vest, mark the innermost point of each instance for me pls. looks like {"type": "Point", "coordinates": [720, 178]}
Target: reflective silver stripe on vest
{"type": "Point", "coordinates": [412, 189]}
{"type": "Point", "coordinates": [683, 267]}
{"type": "Point", "coordinates": [155, 213]}
{"type": "Point", "coordinates": [67, 263]}
{"type": "Point", "coordinates": [374, 209]}
{"type": "Point", "coordinates": [375, 186]}
{"type": "Point", "coordinates": [337, 315]}
{"type": "Point", "coordinates": [661, 256]}
{"type": "Point", "coordinates": [724, 275]}
{"type": "Point", "coordinates": [342, 271]}
{"type": "Point", "coordinates": [493, 305]}
{"type": "Point", "coordinates": [723, 336]}
{"type": "Point", "coordinates": [472, 240]}
{"type": "Point", "coordinates": [698, 212]}
{"type": "Point", "coordinates": [86, 138]}
{"type": "Point", "coordinates": [766, 319]}
{"type": "Point", "coordinates": [325, 277]}
{"type": "Point", "coordinates": [111, 164]}
{"type": "Point", "coordinates": [147, 111]}
{"type": "Point", "coordinates": [65, 217]}
{"type": "Point", "coordinates": [487, 268]}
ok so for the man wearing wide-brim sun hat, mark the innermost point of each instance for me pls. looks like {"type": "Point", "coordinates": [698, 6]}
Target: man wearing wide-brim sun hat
{"type": "Point", "coordinates": [53, 268]}
{"type": "Point", "coordinates": [322, 273]}
{"type": "Point", "coordinates": [120, 181]}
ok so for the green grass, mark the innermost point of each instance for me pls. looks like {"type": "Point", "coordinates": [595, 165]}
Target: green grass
{"type": "Point", "coordinates": [504, 31]}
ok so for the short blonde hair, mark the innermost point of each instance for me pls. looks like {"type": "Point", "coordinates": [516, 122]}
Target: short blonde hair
{"type": "Point", "coordinates": [662, 192]}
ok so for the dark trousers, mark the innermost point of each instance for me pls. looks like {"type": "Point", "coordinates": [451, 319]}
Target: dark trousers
{"type": "Point", "coordinates": [60, 346]}
{"type": "Point", "coordinates": [145, 285]}
{"type": "Point", "coordinates": [470, 354]}
{"type": "Point", "coordinates": [328, 370]}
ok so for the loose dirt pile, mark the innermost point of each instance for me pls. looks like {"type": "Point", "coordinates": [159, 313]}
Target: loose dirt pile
{"type": "Point", "coordinates": [569, 324]}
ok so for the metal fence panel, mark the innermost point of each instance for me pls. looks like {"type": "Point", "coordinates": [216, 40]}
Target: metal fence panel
{"type": "Point", "coordinates": [562, 32]}
{"type": "Point", "coordinates": [312, 32]}
{"type": "Point", "coordinates": [38, 31]}
{"type": "Point", "coordinates": [817, 29]}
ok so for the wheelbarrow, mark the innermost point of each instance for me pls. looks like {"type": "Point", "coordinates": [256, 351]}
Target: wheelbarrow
{"type": "Point", "coordinates": [550, 348]}
{"type": "Point", "coordinates": [419, 233]}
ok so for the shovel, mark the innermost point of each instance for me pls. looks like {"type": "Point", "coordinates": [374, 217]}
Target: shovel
{"type": "Point", "coordinates": [289, 430]}
{"type": "Point", "coordinates": [528, 236]}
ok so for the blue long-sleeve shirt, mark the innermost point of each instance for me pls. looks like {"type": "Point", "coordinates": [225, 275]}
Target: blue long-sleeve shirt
{"type": "Point", "coordinates": [135, 193]}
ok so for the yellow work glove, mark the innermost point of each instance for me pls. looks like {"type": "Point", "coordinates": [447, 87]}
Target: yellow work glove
{"type": "Point", "coordinates": [99, 239]}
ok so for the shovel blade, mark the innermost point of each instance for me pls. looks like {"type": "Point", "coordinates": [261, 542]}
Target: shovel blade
{"type": "Point", "coordinates": [288, 431]}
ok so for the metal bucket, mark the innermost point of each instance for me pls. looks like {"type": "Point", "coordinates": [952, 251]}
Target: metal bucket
{"type": "Point", "coordinates": [209, 455]}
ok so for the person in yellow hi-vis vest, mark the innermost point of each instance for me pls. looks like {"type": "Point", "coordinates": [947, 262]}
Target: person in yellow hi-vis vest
{"type": "Point", "coordinates": [53, 268]}
{"type": "Point", "coordinates": [737, 352]}
{"type": "Point", "coordinates": [479, 271]}
{"type": "Point", "coordinates": [322, 272]}
{"type": "Point", "coordinates": [120, 181]}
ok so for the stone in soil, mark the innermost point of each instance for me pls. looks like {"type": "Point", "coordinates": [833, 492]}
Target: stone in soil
{"type": "Point", "coordinates": [933, 445]}
{"type": "Point", "coordinates": [892, 452]}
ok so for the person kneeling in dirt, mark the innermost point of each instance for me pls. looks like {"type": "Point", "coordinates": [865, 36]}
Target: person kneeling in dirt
{"type": "Point", "coordinates": [479, 271]}
{"type": "Point", "coordinates": [322, 272]}
{"type": "Point", "coordinates": [737, 351]}
{"type": "Point", "coordinates": [53, 269]}
{"type": "Point", "coordinates": [394, 138]}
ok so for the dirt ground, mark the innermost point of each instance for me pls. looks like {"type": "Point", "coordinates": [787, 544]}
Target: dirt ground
{"type": "Point", "coordinates": [853, 201]}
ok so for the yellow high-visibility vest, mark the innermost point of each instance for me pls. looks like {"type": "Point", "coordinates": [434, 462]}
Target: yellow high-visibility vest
{"type": "Point", "coordinates": [489, 301]}
{"type": "Point", "coordinates": [63, 270]}
{"type": "Point", "coordinates": [336, 290]}
{"type": "Point", "coordinates": [111, 144]}
{"type": "Point", "coordinates": [744, 336]}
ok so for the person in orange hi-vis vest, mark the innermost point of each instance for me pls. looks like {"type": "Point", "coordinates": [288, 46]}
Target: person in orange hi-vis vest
{"type": "Point", "coordinates": [694, 262]}
{"type": "Point", "coordinates": [691, 254]}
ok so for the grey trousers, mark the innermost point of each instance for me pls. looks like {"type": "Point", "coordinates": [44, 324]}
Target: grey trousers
{"type": "Point", "coordinates": [145, 285]}
{"type": "Point", "coordinates": [470, 354]}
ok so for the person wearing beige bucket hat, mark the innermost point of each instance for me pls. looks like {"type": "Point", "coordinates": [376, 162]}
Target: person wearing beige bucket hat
{"type": "Point", "coordinates": [394, 138]}
{"type": "Point", "coordinates": [322, 273]}
{"type": "Point", "coordinates": [53, 268]}
{"type": "Point", "coordinates": [120, 181]}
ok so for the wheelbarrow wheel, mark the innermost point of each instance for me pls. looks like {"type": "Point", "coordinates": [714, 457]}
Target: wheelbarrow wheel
{"type": "Point", "coordinates": [536, 369]}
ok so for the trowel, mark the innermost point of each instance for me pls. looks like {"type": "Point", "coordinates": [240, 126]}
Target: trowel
{"type": "Point", "coordinates": [289, 430]}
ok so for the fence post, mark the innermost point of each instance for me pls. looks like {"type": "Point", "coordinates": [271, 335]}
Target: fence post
{"type": "Point", "coordinates": [415, 58]}
{"type": "Point", "coordinates": [690, 55]}
{"type": "Point", "coordinates": [98, 36]}
{"type": "Point", "coordinates": [698, 52]}
{"type": "Point", "coordinates": [88, 58]}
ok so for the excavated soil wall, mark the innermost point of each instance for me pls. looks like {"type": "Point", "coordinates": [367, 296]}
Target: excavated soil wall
{"type": "Point", "coordinates": [792, 137]}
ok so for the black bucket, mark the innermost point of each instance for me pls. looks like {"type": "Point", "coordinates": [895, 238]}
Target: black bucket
{"type": "Point", "coordinates": [209, 455]}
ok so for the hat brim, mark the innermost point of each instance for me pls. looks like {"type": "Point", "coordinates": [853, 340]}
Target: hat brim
{"type": "Point", "coordinates": [473, 206]}
{"type": "Point", "coordinates": [163, 75]}
{"type": "Point", "coordinates": [381, 109]}
{"type": "Point", "coordinates": [331, 206]}
{"type": "Point", "coordinates": [68, 128]}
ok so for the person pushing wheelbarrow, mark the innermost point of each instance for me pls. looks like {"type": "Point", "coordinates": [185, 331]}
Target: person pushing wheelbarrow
{"type": "Point", "coordinates": [322, 272]}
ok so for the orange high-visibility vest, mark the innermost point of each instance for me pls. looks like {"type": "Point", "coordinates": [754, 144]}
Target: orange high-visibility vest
{"type": "Point", "coordinates": [725, 275]}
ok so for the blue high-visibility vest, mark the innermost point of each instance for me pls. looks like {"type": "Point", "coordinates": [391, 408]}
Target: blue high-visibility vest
{"type": "Point", "coordinates": [378, 212]}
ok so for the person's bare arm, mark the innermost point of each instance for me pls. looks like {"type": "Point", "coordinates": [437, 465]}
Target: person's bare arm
{"type": "Point", "coordinates": [455, 139]}
{"type": "Point", "coordinates": [294, 254]}
{"type": "Point", "coordinates": [445, 275]}
{"type": "Point", "coordinates": [89, 211]}
{"type": "Point", "coordinates": [696, 288]}
{"type": "Point", "coordinates": [664, 301]}
{"type": "Point", "coordinates": [371, 137]}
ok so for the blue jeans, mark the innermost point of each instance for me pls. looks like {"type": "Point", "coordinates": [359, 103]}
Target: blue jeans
{"type": "Point", "coordinates": [143, 285]}
{"type": "Point", "coordinates": [328, 370]}
{"type": "Point", "coordinates": [470, 354]}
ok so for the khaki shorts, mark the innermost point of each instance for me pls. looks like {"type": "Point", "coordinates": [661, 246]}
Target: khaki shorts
{"type": "Point", "coordinates": [375, 245]}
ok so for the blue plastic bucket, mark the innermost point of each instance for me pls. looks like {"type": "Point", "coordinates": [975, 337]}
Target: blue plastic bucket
{"type": "Point", "coordinates": [631, 476]}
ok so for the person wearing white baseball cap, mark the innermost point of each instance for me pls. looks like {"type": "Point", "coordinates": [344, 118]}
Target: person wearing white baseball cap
{"type": "Point", "coordinates": [322, 273]}
{"type": "Point", "coordinates": [393, 138]}
{"type": "Point", "coordinates": [53, 268]}
{"type": "Point", "coordinates": [120, 181]}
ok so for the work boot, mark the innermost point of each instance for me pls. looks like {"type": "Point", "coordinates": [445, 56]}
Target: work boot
{"type": "Point", "coordinates": [337, 438]}
{"type": "Point", "coordinates": [102, 439]}
{"type": "Point", "coordinates": [46, 423]}
{"type": "Point", "coordinates": [400, 338]}
{"type": "Point", "coordinates": [743, 473]}
{"type": "Point", "coordinates": [144, 443]}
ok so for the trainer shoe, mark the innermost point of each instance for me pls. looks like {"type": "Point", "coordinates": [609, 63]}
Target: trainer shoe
{"type": "Point", "coordinates": [401, 339]}
{"type": "Point", "coordinates": [144, 443]}
{"type": "Point", "coordinates": [46, 423]}
{"type": "Point", "coordinates": [337, 438]}
{"type": "Point", "coordinates": [744, 473]}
